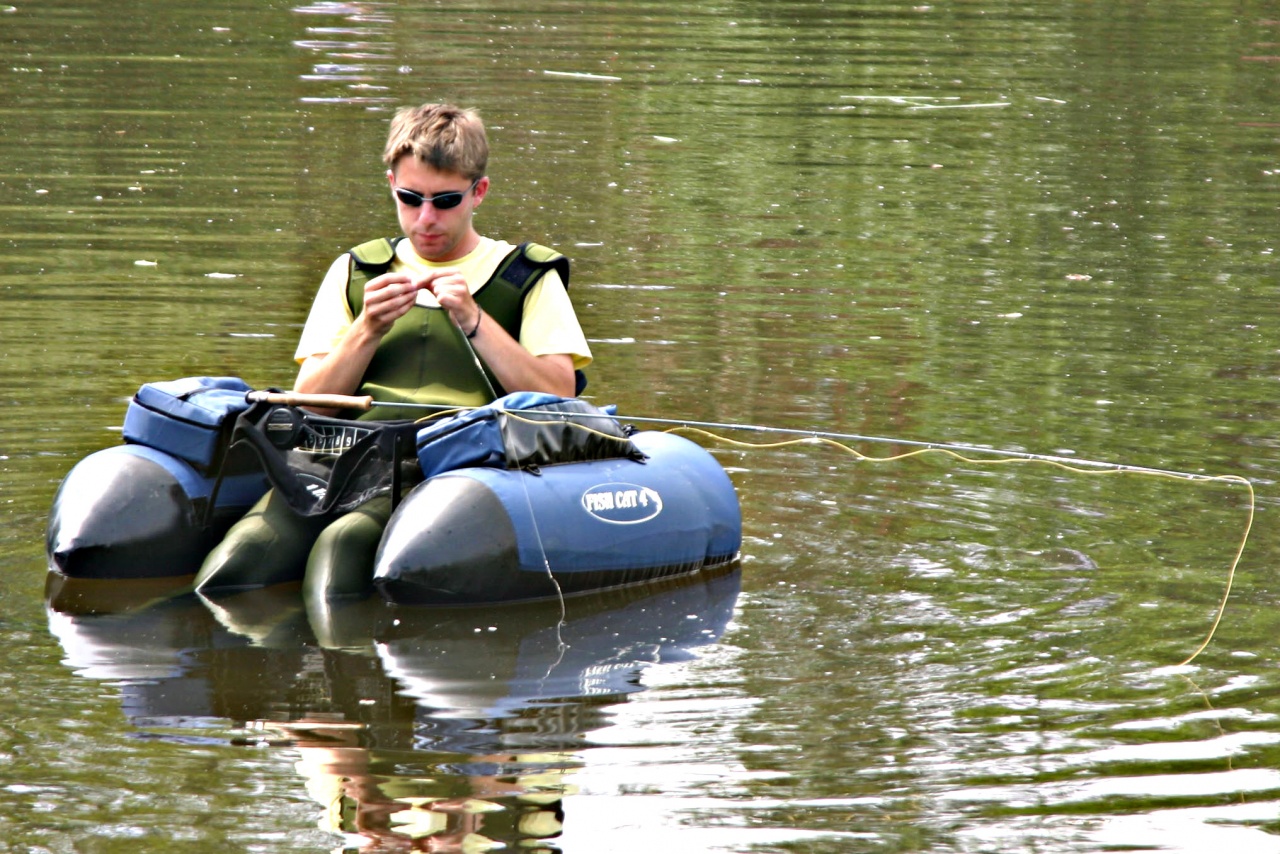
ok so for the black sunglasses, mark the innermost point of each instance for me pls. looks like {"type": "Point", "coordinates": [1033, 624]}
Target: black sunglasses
{"type": "Point", "coordinates": [441, 201]}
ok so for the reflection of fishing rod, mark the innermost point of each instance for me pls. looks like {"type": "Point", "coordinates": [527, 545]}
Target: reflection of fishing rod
{"type": "Point", "coordinates": [365, 403]}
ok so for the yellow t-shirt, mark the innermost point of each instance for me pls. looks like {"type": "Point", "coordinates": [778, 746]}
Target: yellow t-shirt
{"type": "Point", "coordinates": [549, 324]}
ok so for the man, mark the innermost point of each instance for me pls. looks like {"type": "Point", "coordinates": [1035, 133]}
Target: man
{"type": "Point", "coordinates": [436, 157]}
{"type": "Point", "coordinates": [431, 318]}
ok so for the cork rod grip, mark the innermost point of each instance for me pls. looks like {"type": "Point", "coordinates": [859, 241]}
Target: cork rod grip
{"type": "Point", "coordinates": [322, 401]}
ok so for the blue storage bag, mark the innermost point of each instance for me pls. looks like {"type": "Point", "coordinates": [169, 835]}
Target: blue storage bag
{"type": "Point", "coordinates": [524, 430]}
{"type": "Point", "coordinates": [189, 418]}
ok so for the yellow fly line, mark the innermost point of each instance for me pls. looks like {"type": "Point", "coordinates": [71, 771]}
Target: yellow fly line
{"type": "Point", "coordinates": [963, 453]}
{"type": "Point", "coordinates": [1088, 468]}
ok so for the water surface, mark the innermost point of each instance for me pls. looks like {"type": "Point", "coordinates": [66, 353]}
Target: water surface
{"type": "Point", "coordinates": [1048, 228]}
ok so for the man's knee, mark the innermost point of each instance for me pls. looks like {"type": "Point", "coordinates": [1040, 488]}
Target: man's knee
{"type": "Point", "coordinates": [341, 561]}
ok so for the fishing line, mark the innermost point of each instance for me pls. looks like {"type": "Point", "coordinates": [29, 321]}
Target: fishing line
{"type": "Point", "coordinates": [475, 357]}
{"type": "Point", "coordinates": [1071, 463]}
{"type": "Point", "coordinates": [441, 412]}
{"type": "Point", "coordinates": [561, 646]}
{"type": "Point", "coordinates": [961, 452]}
{"type": "Point", "coordinates": [1089, 467]}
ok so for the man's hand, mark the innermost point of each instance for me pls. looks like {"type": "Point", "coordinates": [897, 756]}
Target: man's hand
{"type": "Point", "coordinates": [451, 291]}
{"type": "Point", "coordinates": [386, 299]}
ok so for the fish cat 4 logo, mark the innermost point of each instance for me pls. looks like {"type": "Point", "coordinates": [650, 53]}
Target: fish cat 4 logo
{"type": "Point", "coordinates": [622, 503]}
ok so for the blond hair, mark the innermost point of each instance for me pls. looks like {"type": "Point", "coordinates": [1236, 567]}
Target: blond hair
{"type": "Point", "coordinates": [442, 136]}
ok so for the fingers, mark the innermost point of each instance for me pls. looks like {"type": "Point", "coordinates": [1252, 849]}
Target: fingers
{"type": "Point", "coordinates": [387, 298]}
{"type": "Point", "coordinates": [445, 285]}
{"type": "Point", "coordinates": [451, 291]}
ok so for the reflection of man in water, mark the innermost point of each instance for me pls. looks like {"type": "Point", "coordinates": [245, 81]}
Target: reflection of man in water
{"type": "Point", "coordinates": [445, 737]}
{"type": "Point", "coordinates": [370, 794]}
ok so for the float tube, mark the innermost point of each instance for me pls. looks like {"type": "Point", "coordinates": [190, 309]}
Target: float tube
{"type": "Point", "coordinates": [154, 506]}
{"type": "Point", "coordinates": [498, 515]}
{"type": "Point", "coordinates": [481, 534]}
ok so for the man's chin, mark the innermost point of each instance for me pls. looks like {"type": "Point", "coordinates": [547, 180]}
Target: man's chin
{"type": "Point", "coordinates": [429, 248]}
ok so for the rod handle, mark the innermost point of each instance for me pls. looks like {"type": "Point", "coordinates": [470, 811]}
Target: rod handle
{"type": "Point", "coordinates": [323, 401]}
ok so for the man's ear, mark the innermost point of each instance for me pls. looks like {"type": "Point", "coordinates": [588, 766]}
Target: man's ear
{"type": "Point", "coordinates": [482, 187]}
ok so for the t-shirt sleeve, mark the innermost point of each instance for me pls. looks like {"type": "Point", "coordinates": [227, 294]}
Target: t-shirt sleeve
{"type": "Point", "coordinates": [330, 316]}
{"type": "Point", "coordinates": [550, 325]}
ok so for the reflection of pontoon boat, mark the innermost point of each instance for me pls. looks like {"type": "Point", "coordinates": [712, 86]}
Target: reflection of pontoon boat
{"type": "Point", "coordinates": [516, 504]}
{"type": "Point", "coordinates": [468, 680]}
{"type": "Point", "coordinates": [597, 656]}
{"type": "Point", "coordinates": [441, 722]}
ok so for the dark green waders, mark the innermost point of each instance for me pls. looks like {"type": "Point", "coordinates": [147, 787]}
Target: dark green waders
{"type": "Point", "coordinates": [331, 555]}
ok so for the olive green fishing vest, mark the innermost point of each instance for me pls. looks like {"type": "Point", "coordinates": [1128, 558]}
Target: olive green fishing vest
{"type": "Point", "coordinates": [424, 357]}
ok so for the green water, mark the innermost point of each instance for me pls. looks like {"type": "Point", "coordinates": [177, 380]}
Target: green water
{"type": "Point", "coordinates": [1042, 227]}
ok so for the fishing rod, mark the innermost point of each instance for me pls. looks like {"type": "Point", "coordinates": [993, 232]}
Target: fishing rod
{"type": "Point", "coordinates": [366, 402]}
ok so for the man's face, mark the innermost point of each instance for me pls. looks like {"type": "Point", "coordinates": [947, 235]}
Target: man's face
{"type": "Point", "coordinates": [436, 235]}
